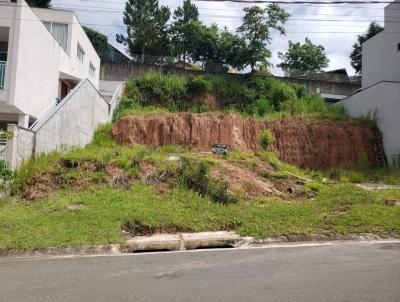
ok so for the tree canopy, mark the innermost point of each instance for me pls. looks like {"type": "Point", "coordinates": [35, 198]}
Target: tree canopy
{"type": "Point", "coordinates": [256, 29]}
{"type": "Point", "coordinates": [185, 29]}
{"type": "Point", "coordinates": [99, 41]}
{"type": "Point", "coordinates": [356, 55]}
{"type": "Point", "coordinates": [150, 32]}
{"type": "Point", "coordinates": [39, 3]}
{"type": "Point", "coordinates": [146, 23]}
{"type": "Point", "coordinates": [304, 57]}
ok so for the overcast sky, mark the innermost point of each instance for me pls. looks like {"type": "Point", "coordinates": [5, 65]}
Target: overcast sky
{"type": "Point", "coordinates": [336, 36]}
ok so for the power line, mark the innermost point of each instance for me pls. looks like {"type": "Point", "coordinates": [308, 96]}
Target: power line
{"type": "Point", "coordinates": [123, 26]}
{"type": "Point", "coordinates": [300, 2]}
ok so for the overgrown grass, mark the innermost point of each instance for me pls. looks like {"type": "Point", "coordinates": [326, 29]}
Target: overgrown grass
{"type": "Point", "coordinates": [102, 211]}
{"type": "Point", "coordinates": [254, 95]}
{"type": "Point", "coordinates": [197, 202]}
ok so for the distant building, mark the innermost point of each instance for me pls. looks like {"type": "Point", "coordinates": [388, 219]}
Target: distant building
{"type": "Point", "coordinates": [380, 92]}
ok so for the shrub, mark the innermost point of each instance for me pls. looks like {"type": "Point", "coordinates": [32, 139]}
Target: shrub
{"type": "Point", "coordinates": [396, 161]}
{"type": "Point", "coordinates": [355, 177]}
{"type": "Point", "coordinates": [267, 138]}
{"type": "Point", "coordinates": [4, 172]}
{"type": "Point", "coordinates": [125, 103]}
{"type": "Point", "coordinates": [156, 88]}
{"type": "Point", "coordinates": [263, 107]}
{"type": "Point", "coordinates": [195, 176]}
{"type": "Point", "coordinates": [198, 85]}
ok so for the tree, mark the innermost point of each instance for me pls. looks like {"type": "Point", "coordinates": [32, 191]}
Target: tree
{"type": "Point", "coordinates": [256, 29]}
{"type": "Point", "coordinates": [99, 41]}
{"type": "Point", "coordinates": [356, 55]}
{"type": "Point", "coordinates": [39, 3]}
{"type": "Point", "coordinates": [146, 25]}
{"type": "Point", "coordinates": [304, 57]}
{"type": "Point", "coordinates": [185, 28]}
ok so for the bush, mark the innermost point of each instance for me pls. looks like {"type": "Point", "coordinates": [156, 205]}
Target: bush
{"type": "Point", "coordinates": [125, 103]}
{"type": "Point", "coordinates": [267, 138]}
{"type": "Point", "coordinates": [5, 174]}
{"type": "Point", "coordinates": [195, 176]}
{"type": "Point", "coordinates": [263, 107]}
{"type": "Point", "coordinates": [156, 88]}
{"type": "Point", "coordinates": [198, 85]}
{"type": "Point", "coordinates": [396, 161]}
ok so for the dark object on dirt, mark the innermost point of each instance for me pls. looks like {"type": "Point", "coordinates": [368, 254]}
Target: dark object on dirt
{"type": "Point", "coordinates": [392, 202]}
{"type": "Point", "coordinates": [69, 163]}
{"type": "Point", "coordinates": [290, 190]}
{"type": "Point", "coordinates": [220, 149]}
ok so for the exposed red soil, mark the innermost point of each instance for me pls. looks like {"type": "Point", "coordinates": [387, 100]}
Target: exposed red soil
{"type": "Point", "coordinates": [313, 143]}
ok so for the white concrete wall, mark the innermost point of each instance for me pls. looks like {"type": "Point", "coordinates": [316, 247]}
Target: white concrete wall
{"type": "Point", "coordinates": [384, 98]}
{"type": "Point", "coordinates": [380, 55]}
{"type": "Point", "coordinates": [71, 65]}
{"type": "Point", "coordinates": [73, 121]}
{"type": "Point", "coordinates": [35, 64]}
{"type": "Point", "coordinates": [20, 147]}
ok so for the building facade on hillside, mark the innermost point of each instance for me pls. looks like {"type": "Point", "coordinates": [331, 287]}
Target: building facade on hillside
{"type": "Point", "coordinates": [380, 92]}
{"type": "Point", "coordinates": [44, 53]}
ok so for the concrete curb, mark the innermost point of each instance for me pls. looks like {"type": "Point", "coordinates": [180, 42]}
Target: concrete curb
{"type": "Point", "coordinates": [191, 241]}
{"type": "Point", "coordinates": [181, 242]}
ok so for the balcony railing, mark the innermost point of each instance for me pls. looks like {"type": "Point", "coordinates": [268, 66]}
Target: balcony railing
{"type": "Point", "coordinates": [2, 73]}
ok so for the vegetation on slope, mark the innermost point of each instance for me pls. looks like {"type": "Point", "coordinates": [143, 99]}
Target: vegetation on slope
{"type": "Point", "coordinates": [258, 95]}
{"type": "Point", "coordinates": [89, 195]}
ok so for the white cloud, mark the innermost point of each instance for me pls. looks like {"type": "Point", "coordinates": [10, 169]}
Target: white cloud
{"type": "Point", "coordinates": [336, 36]}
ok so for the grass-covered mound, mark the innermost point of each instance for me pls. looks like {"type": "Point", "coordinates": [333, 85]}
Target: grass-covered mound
{"type": "Point", "coordinates": [256, 95]}
{"type": "Point", "coordinates": [89, 195]}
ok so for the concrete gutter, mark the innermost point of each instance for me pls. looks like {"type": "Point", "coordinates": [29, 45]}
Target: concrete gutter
{"type": "Point", "coordinates": [193, 241]}
{"type": "Point", "coordinates": [182, 242]}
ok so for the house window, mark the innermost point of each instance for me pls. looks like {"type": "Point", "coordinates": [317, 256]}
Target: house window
{"type": "Point", "coordinates": [59, 31]}
{"type": "Point", "coordinates": [398, 47]}
{"type": "Point", "coordinates": [92, 70]}
{"type": "Point", "coordinates": [80, 53]}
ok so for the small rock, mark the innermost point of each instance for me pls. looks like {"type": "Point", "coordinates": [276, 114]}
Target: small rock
{"type": "Point", "coordinates": [76, 207]}
{"type": "Point", "coordinates": [392, 202]}
{"type": "Point", "coordinates": [174, 158]}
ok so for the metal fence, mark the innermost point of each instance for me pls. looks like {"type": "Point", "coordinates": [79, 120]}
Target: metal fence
{"type": "Point", "coordinates": [168, 62]}
{"type": "Point", "coordinates": [335, 76]}
{"type": "Point", "coordinates": [2, 73]}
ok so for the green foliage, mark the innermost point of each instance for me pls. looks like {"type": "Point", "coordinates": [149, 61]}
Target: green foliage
{"type": "Point", "coordinates": [305, 57]}
{"type": "Point", "coordinates": [356, 55]}
{"type": "Point", "coordinates": [198, 85]}
{"type": "Point", "coordinates": [185, 29]}
{"type": "Point", "coordinates": [5, 174]}
{"type": "Point", "coordinates": [159, 89]}
{"type": "Point", "coordinates": [267, 138]}
{"type": "Point", "coordinates": [370, 119]}
{"type": "Point", "coordinates": [98, 40]}
{"type": "Point", "coordinates": [362, 162]}
{"type": "Point", "coordinates": [254, 94]}
{"type": "Point", "coordinates": [256, 28]}
{"type": "Point", "coordinates": [195, 176]}
{"type": "Point", "coordinates": [396, 161]}
{"type": "Point", "coordinates": [146, 23]}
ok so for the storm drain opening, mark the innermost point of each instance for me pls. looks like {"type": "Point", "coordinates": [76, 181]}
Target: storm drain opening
{"type": "Point", "coordinates": [150, 251]}
{"type": "Point", "coordinates": [222, 246]}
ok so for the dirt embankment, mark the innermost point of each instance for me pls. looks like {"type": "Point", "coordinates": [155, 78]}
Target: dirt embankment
{"type": "Point", "coordinates": [314, 143]}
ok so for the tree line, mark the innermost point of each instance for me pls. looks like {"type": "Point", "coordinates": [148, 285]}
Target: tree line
{"type": "Point", "coordinates": [152, 31]}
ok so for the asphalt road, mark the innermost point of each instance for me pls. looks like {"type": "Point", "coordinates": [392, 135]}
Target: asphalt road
{"type": "Point", "coordinates": [338, 272]}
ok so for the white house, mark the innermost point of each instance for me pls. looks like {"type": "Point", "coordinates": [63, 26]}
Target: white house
{"type": "Point", "coordinates": [380, 92]}
{"type": "Point", "coordinates": [44, 53]}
